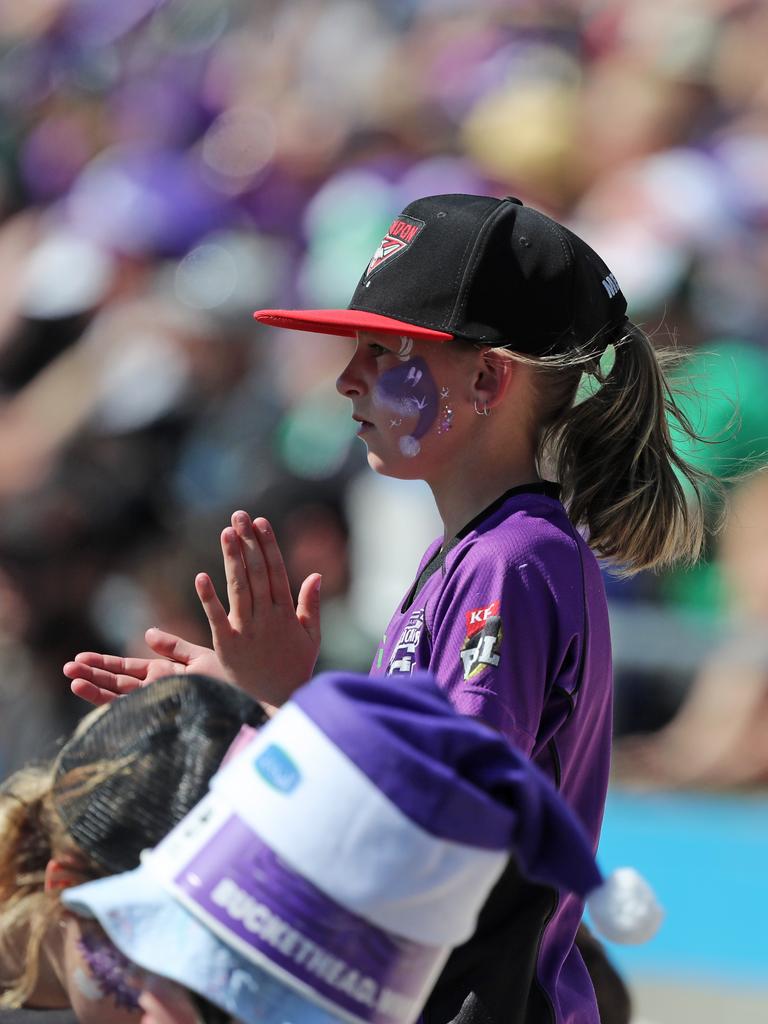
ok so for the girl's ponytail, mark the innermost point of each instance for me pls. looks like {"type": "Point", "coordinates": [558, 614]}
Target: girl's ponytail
{"type": "Point", "coordinates": [613, 455]}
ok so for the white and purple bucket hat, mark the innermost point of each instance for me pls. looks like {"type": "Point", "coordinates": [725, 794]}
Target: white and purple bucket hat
{"type": "Point", "coordinates": [340, 856]}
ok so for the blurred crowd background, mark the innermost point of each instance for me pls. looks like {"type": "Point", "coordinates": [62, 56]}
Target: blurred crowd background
{"type": "Point", "coordinates": [167, 166]}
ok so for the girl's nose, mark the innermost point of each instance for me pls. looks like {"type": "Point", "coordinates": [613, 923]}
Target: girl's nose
{"type": "Point", "coordinates": [350, 382]}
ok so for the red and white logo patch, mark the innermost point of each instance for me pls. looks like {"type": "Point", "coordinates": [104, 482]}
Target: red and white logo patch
{"type": "Point", "coordinates": [402, 233]}
{"type": "Point", "coordinates": [477, 617]}
{"type": "Point", "coordinates": [481, 648]}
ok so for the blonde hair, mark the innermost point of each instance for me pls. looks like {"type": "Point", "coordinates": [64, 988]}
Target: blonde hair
{"type": "Point", "coordinates": [26, 845]}
{"type": "Point", "coordinates": [130, 772]}
{"type": "Point", "coordinates": [31, 833]}
{"type": "Point", "coordinates": [612, 452]}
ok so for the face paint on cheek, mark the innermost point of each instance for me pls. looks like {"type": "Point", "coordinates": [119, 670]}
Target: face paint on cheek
{"type": "Point", "coordinates": [110, 972]}
{"type": "Point", "coordinates": [406, 347]}
{"type": "Point", "coordinates": [408, 391]}
{"type": "Point", "coordinates": [87, 986]}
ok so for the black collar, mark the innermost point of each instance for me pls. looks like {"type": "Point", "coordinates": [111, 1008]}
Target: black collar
{"type": "Point", "coordinates": [437, 560]}
{"type": "Point", "coordinates": [552, 490]}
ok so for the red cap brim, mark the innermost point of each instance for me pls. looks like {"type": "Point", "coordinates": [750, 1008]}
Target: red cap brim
{"type": "Point", "coordinates": [344, 322]}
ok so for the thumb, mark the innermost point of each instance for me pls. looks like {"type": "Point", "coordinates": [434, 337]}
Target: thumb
{"type": "Point", "coordinates": [308, 606]}
{"type": "Point", "coordinates": [170, 646]}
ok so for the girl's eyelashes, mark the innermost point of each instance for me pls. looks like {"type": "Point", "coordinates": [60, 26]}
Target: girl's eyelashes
{"type": "Point", "coordinates": [378, 350]}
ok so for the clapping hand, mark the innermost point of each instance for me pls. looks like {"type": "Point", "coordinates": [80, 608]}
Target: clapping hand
{"type": "Point", "coordinates": [100, 678]}
{"type": "Point", "coordinates": [265, 645]}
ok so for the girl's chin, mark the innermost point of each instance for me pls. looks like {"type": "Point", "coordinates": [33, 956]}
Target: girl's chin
{"type": "Point", "coordinates": [397, 466]}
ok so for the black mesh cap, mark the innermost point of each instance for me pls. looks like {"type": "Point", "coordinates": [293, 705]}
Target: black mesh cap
{"type": "Point", "coordinates": [486, 270]}
{"type": "Point", "coordinates": [134, 769]}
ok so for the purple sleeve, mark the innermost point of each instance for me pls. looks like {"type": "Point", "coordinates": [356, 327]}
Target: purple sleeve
{"type": "Point", "coordinates": [495, 639]}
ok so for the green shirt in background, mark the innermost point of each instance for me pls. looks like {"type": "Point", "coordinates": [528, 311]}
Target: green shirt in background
{"type": "Point", "coordinates": [725, 397]}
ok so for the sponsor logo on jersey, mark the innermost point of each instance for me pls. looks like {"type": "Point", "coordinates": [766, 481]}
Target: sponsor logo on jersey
{"type": "Point", "coordinates": [481, 648]}
{"type": "Point", "coordinates": [276, 767]}
{"type": "Point", "coordinates": [402, 233]}
{"type": "Point", "coordinates": [477, 617]}
{"type": "Point", "coordinates": [404, 655]}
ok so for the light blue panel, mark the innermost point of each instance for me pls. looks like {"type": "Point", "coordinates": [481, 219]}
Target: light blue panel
{"type": "Point", "coordinates": [707, 859]}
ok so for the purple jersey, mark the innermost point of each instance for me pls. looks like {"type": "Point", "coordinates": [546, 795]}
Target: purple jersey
{"type": "Point", "coordinates": [512, 621]}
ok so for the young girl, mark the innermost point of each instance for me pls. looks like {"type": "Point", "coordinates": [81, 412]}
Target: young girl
{"type": "Point", "coordinates": [476, 320]}
{"type": "Point", "coordinates": [121, 782]}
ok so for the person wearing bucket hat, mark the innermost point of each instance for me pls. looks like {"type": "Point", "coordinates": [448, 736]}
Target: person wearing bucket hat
{"type": "Point", "coordinates": [126, 776]}
{"type": "Point", "coordinates": [340, 855]}
{"type": "Point", "coordinates": [494, 360]}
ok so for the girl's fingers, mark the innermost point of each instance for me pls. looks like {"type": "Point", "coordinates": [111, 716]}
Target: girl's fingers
{"type": "Point", "coordinates": [253, 559]}
{"type": "Point", "coordinates": [91, 693]}
{"type": "Point", "coordinates": [238, 585]}
{"type": "Point", "coordinates": [212, 606]}
{"type": "Point", "coordinates": [136, 667]}
{"type": "Point", "coordinates": [73, 669]}
{"type": "Point", "coordinates": [101, 678]}
{"type": "Point", "coordinates": [170, 646]}
{"type": "Point", "coordinates": [279, 587]}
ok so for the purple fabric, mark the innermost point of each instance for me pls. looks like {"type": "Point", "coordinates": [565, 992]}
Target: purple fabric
{"type": "Point", "coordinates": [428, 761]}
{"type": "Point", "coordinates": [238, 881]}
{"type": "Point", "coordinates": [452, 776]}
{"type": "Point", "coordinates": [514, 627]}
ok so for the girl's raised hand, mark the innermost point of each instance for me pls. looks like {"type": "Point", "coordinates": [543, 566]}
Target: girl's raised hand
{"type": "Point", "coordinates": [267, 646]}
{"type": "Point", "coordinates": [101, 678]}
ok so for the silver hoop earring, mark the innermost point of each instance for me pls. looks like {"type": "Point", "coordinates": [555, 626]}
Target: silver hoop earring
{"type": "Point", "coordinates": [485, 411]}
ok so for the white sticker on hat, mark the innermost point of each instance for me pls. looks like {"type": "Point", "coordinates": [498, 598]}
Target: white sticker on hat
{"type": "Point", "coordinates": [316, 809]}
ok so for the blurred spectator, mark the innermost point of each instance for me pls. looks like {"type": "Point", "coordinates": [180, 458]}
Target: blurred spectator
{"type": "Point", "coordinates": [727, 384]}
{"type": "Point", "coordinates": [719, 738]}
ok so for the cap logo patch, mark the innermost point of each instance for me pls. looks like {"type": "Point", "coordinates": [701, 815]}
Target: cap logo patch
{"type": "Point", "coordinates": [402, 233]}
{"type": "Point", "coordinates": [611, 285]}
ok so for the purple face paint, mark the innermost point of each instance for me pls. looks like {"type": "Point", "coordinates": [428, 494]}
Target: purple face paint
{"type": "Point", "coordinates": [110, 970]}
{"type": "Point", "coordinates": [408, 391]}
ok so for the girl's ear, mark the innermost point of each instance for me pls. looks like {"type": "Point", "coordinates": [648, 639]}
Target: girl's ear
{"type": "Point", "coordinates": [62, 873]}
{"type": "Point", "coordinates": [493, 378]}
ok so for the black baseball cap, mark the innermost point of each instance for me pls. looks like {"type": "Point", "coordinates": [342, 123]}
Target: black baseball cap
{"type": "Point", "coordinates": [133, 769]}
{"type": "Point", "coordinates": [490, 271]}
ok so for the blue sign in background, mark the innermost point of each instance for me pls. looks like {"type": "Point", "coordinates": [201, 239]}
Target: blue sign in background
{"type": "Point", "coordinates": [707, 858]}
